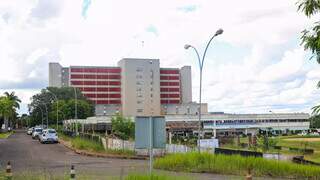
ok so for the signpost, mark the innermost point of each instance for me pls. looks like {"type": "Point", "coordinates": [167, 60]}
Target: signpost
{"type": "Point", "coordinates": [150, 133]}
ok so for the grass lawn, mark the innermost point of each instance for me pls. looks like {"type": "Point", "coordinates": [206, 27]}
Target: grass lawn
{"type": "Point", "coordinates": [235, 165]}
{"type": "Point", "coordinates": [93, 146]}
{"type": "Point", "coordinates": [5, 135]}
{"type": "Point", "coordinates": [309, 142]}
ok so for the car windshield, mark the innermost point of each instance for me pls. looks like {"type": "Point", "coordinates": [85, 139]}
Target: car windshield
{"type": "Point", "coordinates": [38, 130]}
{"type": "Point", "coordinates": [51, 131]}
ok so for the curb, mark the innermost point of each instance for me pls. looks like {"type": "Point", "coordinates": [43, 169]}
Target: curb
{"type": "Point", "coordinates": [92, 154]}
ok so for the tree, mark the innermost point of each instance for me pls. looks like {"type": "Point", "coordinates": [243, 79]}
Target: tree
{"type": "Point", "coordinates": [122, 127]}
{"type": "Point", "coordinates": [311, 37]}
{"type": "Point", "coordinates": [315, 121]}
{"type": "Point", "coordinates": [47, 98]}
{"type": "Point", "coordinates": [15, 104]}
{"type": "Point", "coordinates": [9, 103]}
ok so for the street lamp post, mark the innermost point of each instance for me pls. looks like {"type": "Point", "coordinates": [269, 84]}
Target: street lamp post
{"type": "Point", "coordinates": [57, 106]}
{"type": "Point", "coordinates": [47, 115]}
{"type": "Point", "coordinates": [187, 46]}
{"type": "Point", "coordinates": [41, 116]}
{"type": "Point", "coordinates": [280, 132]}
{"type": "Point", "coordinates": [75, 108]}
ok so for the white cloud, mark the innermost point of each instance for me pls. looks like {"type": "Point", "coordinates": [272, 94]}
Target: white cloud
{"type": "Point", "coordinates": [270, 74]}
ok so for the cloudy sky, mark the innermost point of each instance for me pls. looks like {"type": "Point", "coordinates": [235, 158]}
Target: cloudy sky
{"type": "Point", "coordinates": [257, 65]}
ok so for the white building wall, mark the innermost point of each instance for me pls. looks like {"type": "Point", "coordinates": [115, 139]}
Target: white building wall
{"type": "Point", "coordinates": [55, 75]}
{"type": "Point", "coordinates": [140, 87]}
{"type": "Point", "coordinates": [186, 84]}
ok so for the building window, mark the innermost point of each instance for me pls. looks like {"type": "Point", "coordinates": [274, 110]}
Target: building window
{"type": "Point", "coordinates": [139, 83]}
{"type": "Point", "coordinates": [139, 110]}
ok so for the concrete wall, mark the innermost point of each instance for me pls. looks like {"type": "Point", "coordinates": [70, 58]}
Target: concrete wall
{"type": "Point", "coordinates": [55, 75]}
{"type": "Point", "coordinates": [186, 84]}
{"type": "Point", "coordinates": [140, 87]}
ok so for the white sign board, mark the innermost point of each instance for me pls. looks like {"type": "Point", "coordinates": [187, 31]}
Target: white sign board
{"type": "Point", "coordinates": [209, 143]}
{"type": "Point", "coordinates": [3, 126]}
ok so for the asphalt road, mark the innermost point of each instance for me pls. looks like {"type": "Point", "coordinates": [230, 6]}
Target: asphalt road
{"type": "Point", "coordinates": [28, 155]}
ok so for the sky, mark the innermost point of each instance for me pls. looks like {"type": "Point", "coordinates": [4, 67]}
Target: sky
{"type": "Point", "coordinates": [255, 66]}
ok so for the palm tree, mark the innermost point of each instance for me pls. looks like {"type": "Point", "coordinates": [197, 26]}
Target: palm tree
{"type": "Point", "coordinates": [6, 109]}
{"type": "Point", "coordinates": [11, 104]}
{"type": "Point", "coordinates": [13, 98]}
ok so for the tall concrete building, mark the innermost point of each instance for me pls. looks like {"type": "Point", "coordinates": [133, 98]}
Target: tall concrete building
{"type": "Point", "coordinates": [134, 87]}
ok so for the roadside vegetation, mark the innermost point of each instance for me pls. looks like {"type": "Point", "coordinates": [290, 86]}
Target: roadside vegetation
{"type": "Point", "coordinates": [5, 135]}
{"type": "Point", "coordinates": [294, 141]}
{"type": "Point", "coordinates": [122, 127]}
{"type": "Point", "coordinates": [235, 165]}
{"type": "Point", "coordinates": [94, 146]}
{"type": "Point", "coordinates": [9, 104]}
{"type": "Point", "coordinates": [63, 98]}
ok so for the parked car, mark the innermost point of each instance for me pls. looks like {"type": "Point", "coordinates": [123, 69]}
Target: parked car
{"type": "Point", "coordinates": [48, 135]}
{"type": "Point", "coordinates": [36, 132]}
{"type": "Point", "coordinates": [30, 130]}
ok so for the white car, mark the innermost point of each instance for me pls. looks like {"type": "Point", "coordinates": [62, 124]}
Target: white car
{"type": "Point", "coordinates": [48, 135]}
{"type": "Point", "coordinates": [29, 131]}
{"type": "Point", "coordinates": [36, 132]}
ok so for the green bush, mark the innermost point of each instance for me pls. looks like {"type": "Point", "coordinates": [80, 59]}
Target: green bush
{"type": "Point", "coordinates": [235, 165]}
{"type": "Point", "coordinates": [122, 127]}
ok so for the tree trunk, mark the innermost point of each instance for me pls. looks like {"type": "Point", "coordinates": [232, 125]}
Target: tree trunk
{"type": "Point", "coordinates": [6, 123]}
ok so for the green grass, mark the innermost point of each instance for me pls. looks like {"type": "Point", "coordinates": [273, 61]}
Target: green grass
{"type": "Point", "coordinates": [155, 177]}
{"type": "Point", "coordinates": [287, 141]}
{"type": "Point", "coordinates": [84, 144]}
{"type": "Point", "coordinates": [5, 135]}
{"type": "Point", "coordinates": [235, 165]}
{"type": "Point", "coordinates": [93, 146]}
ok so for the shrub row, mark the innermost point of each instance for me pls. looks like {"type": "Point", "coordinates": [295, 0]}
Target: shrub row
{"type": "Point", "coordinates": [235, 152]}
{"type": "Point", "coordinates": [236, 165]}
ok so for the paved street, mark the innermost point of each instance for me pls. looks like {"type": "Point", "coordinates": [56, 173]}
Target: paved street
{"type": "Point", "coordinates": [28, 155]}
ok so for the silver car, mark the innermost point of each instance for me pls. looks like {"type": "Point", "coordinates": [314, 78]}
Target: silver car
{"type": "Point", "coordinates": [48, 135]}
{"type": "Point", "coordinates": [29, 131]}
{"type": "Point", "coordinates": [36, 132]}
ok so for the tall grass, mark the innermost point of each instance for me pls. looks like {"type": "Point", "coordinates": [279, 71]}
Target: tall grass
{"type": "Point", "coordinates": [155, 177]}
{"type": "Point", "coordinates": [235, 165]}
{"type": "Point", "coordinates": [94, 146]}
{"type": "Point", "coordinates": [5, 135]}
{"type": "Point", "coordinates": [85, 144]}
